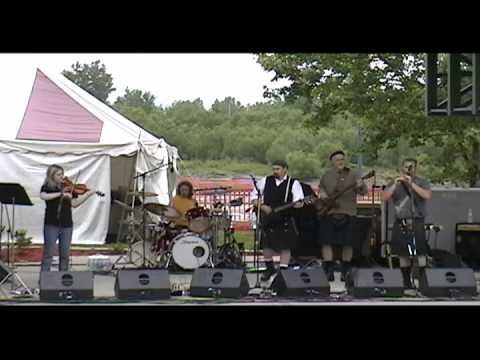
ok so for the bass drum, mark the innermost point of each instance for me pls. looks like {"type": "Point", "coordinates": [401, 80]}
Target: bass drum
{"type": "Point", "coordinates": [189, 251]}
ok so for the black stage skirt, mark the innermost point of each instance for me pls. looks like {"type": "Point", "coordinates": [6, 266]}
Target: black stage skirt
{"type": "Point", "coordinates": [336, 229]}
{"type": "Point", "coordinates": [281, 235]}
{"type": "Point", "coordinates": [402, 236]}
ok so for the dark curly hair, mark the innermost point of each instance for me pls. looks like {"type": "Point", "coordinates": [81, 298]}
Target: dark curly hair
{"type": "Point", "coordinates": [190, 188]}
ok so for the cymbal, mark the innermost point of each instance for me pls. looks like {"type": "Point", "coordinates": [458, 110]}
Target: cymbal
{"type": "Point", "coordinates": [140, 194]}
{"type": "Point", "coordinates": [163, 210]}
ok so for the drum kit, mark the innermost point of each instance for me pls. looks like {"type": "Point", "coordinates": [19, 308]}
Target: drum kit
{"type": "Point", "coordinates": [169, 246]}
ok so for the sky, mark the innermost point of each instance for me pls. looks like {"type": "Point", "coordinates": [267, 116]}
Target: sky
{"type": "Point", "coordinates": [170, 77]}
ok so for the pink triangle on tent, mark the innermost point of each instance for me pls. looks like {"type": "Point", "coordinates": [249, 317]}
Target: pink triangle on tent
{"type": "Point", "coordinates": [54, 115]}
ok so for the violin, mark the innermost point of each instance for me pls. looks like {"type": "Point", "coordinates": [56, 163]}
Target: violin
{"type": "Point", "coordinates": [78, 189]}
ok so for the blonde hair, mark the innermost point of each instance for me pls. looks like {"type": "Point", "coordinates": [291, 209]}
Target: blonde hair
{"type": "Point", "coordinates": [49, 180]}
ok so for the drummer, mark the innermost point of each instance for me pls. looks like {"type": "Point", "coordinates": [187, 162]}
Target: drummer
{"type": "Point", "coordinates": [183, 202]}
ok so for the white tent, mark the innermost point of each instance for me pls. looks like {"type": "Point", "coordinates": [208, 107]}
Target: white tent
{"type": "Point", "coordinates": [63, 124]}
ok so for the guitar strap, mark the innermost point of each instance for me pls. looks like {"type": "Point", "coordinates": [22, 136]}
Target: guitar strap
{"type": "Point", "coordinates": [287, 190]}
{"type": "Point", "coordinates": [344, 172]}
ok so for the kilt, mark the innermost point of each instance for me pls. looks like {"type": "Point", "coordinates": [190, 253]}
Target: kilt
{"type": "Point", "coordinates": [402, 236]}
{"type": "Point", "coordinates": [336, 229]}
{"type": "Point", "coordinates": [281, 235]}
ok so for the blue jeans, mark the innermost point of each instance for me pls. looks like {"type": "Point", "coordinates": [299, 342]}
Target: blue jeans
{"type": "Point", "coordinates": [50, 235]}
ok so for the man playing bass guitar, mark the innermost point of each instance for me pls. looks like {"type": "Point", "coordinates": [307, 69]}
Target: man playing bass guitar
{"type": "Point", "coordinates": [340, 186]}
{"type": "Point", "coordinates": [279, 233]}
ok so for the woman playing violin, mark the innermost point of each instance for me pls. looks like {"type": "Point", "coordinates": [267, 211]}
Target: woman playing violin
{"type": "Point", "coordinates": [59, 197]}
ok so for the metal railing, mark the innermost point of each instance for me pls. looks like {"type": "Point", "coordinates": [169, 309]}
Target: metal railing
{"type": "Point", "coordinates": [241, 217]}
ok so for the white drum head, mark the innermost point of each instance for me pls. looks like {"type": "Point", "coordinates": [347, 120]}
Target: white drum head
{"type": "Point", "coordinates": [190, 251]}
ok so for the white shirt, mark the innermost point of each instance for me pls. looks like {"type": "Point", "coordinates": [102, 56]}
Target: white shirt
{"type": "Point", "coordinates": [297, 192]}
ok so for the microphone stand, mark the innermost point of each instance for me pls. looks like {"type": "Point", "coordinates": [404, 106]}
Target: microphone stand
{"type": "Point", "coordinates": [373, 237]}
{"type": "Point", "coordinates": [412, 248]}
{"type": "Point", "coordinates": [387, 243]}
{"type": "Point", "coordinates": [144, 212]}
{"type": "Point", "coordinates": [257, 235]}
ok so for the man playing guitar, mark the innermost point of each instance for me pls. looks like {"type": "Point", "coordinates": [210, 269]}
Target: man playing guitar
{"type": "Point", "coordinates": [279, 233]}
{"type": "Point", "coordinates": [337, 224]}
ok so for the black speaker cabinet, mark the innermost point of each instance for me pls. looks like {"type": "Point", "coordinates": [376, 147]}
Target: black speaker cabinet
{"type": "Point", "coordinates": [467, 243]}
{"type": "Point", "coordinates": [227, 283]}
{"type": "Point", "coordinates": [307, 282]}
{"type": "Point", "coordinates": [142, 284]}
{"type": "Point", "coordinates": [375, 282]}
{"type": "Point", "coordinates": [448, 282]}
{"type": "Point", "coordinates": [66, 285]}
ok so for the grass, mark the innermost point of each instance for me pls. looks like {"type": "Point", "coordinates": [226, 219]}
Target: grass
{"type": "Point", "coordinates": [245, 237]}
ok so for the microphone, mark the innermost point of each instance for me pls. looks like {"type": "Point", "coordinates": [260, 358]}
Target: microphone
{"type": "Point", "coordinates": [410, 169]}
{"type": "Point", "coordinates": [434, 227]}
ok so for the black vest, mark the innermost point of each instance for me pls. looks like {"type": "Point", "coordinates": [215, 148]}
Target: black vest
{"type": "Point", "coordinates": [274, 195]}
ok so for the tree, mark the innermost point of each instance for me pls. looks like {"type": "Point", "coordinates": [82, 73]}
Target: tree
{"type": "Point", "coordinates": [227, 106]}
{"type": "Point", "coordinates": [385, 92]}
{"type": "Point", "coordinates": [303, 165]}
{"type": "Point", "coordinates": [92, 78]}
{"type": "Point", "coordinates": [137, 98]}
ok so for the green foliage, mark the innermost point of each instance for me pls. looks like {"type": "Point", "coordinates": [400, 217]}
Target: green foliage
{"type": "Point", "coordinates": [92, 78]}
{"type": "Point", "coordinates": [228, 106]}
{"type": "Point", "coordinates": [21, 238]}
{"type": "Point", "coordinates": [304, 165]}
{"type": "Point", "coordinates": [137, 98]}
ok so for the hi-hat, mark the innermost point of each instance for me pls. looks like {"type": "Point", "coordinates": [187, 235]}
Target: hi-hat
{"type": "Point", "coordinates": [163, 210]}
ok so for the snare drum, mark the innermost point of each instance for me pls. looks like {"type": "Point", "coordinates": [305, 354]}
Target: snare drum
{"type": "Point", "coordinates": [198, 219]}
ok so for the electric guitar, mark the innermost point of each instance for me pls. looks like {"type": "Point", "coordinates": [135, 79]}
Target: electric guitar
{"type": "Point", "coordinates": [323, 206]}
{"type": "Point", "coordinates": [268, 214]}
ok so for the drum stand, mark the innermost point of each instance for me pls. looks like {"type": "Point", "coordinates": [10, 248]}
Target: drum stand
{"type": "Point", "coordinates": [230, 251]}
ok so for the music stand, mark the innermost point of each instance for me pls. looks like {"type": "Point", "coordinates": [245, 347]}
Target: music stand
{"type": "Point", "coordinates": [13, 194]}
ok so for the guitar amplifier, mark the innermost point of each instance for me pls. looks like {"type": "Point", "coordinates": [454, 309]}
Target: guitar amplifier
{"type": "Point", "coordinates": [467, 243]}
